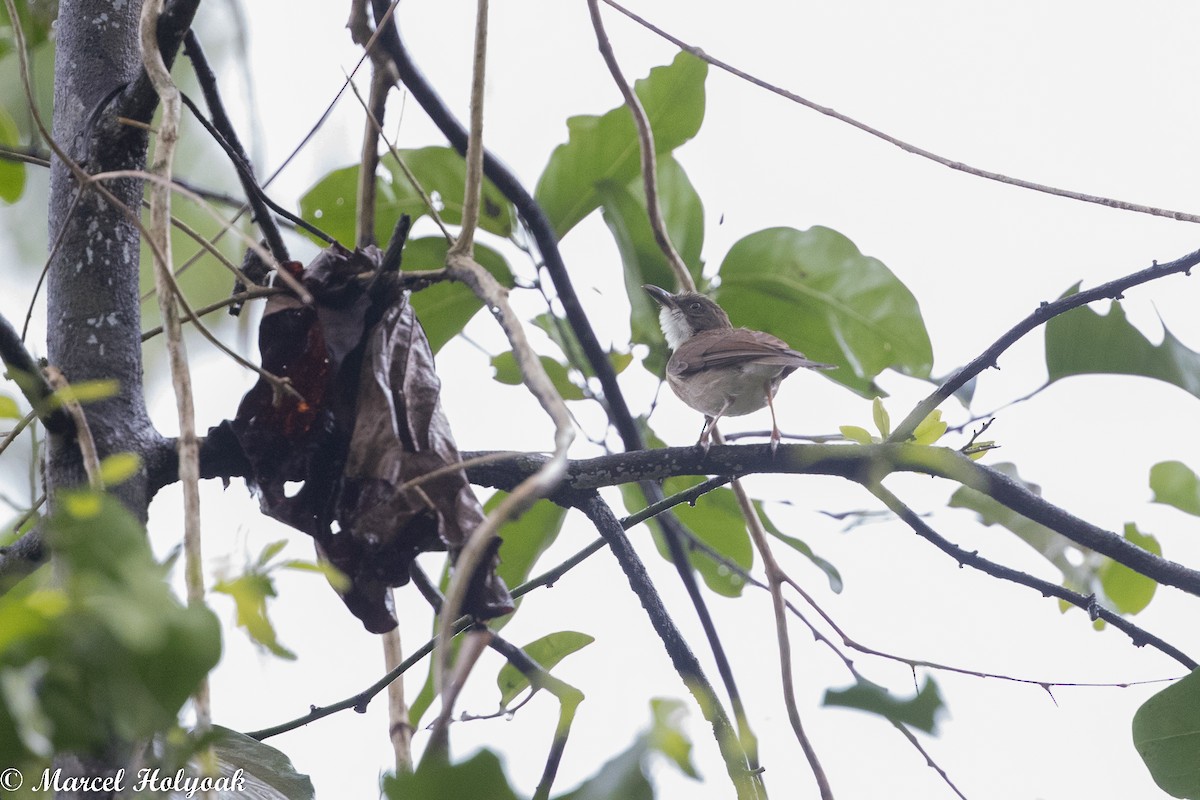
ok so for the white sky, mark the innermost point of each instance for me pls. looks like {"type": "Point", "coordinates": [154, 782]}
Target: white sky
{"type": "Point", "coordinates": [1086, 95]}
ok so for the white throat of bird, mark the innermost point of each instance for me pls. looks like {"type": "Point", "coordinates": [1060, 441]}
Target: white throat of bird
{"type": "Point", "coordinates": [675, 326]}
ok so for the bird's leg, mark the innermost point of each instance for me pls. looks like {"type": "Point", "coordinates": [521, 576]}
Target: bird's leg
{"type": "Point", "coordinates": [703, 441]}
{"type": "Point", "coordinates": [774, 425]}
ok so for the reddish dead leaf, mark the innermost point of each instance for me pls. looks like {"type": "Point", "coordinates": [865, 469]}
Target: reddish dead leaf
{"type": "Point", "coordinates": [337, 464]}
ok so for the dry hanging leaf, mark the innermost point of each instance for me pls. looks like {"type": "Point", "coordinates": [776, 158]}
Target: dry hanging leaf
{"type": "Point", "coordinates": [335, 465]}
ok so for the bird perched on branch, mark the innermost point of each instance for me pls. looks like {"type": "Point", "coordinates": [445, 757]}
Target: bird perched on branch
{"type": "Point", "coordinates": [720, 370]}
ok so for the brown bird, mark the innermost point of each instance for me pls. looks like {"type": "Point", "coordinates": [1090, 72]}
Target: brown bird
{"type": "Point", "coordinates": [720, 370]}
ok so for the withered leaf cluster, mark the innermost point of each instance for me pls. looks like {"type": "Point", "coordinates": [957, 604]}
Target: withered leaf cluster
{"type": "Point", "coordinates": [336, 464]}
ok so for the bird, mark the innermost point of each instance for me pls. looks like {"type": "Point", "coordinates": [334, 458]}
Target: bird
{"type": "Point", "coordinates": [720, 370]}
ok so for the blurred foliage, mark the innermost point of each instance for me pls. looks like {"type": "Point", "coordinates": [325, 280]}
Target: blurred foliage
{"type": "Point", "coordinates": [108, 655]}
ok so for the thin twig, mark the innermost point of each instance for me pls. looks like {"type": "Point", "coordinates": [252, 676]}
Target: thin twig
{"type": "Point", "coordinates": [83, 432]}
{"type": "Point", "coordinates": [400, 729]}
{"type": "Point", "coordinates": [364, 222]}
{"type": "Point", "coordinates": [646, 142]}
{"type": "Point", "coordinates": [462, 266]}
{"type": "Point", "coordinates": [1122, 205]}
{"type": "Point", "coordinates": [1045, 312]}
{"type": "Point", "coordinates": [160, 232]}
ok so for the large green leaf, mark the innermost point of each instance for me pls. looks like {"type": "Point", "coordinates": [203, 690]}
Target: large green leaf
{"type": "Point", "coordinates": [445, 308]}
{"type": "Point", "coordinates": [605, 148]}
{"type": "Point", "coordinates": [1166, 733]}
{"type": "Point", "coordinates": [524, 540]}
{"type": "Point", "coordinates": [547, 652]}
{"type": "Point", "coordinates": [642, 259]}
{"type": "Point", "coordinates": [1082, 342]}
{"type": "Point", "coordinates": [332, 203]}
{"type": "Point", "coordinates": [266, 773]}
{"type": "Point", "coordinates": [815, 290]}
{"type": "Point", "coordinates": [1174, 484]}
{"type": "Point", "coordinates": [920, 711]}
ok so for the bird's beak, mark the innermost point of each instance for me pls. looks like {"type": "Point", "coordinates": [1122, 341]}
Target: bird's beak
{"type": "Point", "coordinates": [660, 295]}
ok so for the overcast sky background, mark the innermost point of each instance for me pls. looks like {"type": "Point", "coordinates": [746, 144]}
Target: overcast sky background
{"type": "Point", "coordinates": [1093, 96]}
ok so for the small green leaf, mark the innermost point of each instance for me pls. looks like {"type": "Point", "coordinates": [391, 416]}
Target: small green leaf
{"type": "Point", "coordinates": [12, 173]}
{"type": "Point", "coordinates": [119, 467]}
{"type": "Point", "coordinates": [883, 423]}
{"type": "Point", "coordinates": [1166, 733]}
{"type": "Point", "coordinates": [919, 711]}
{"type": "Point", "coordinates": [85, 392]}
{"type": "Point", "coordinates": [1129, 590]}
{"type": "Point", "coordinates": [856, 434]}
{"type": "Point", "coordinates": [547, 652]}
{"type": "Point", "coordinates": [667, 736]}
{"type": "Point", "coordinates": [250, 592]}
{"type": "Point", "coordinates": [606, 148]}
{"type": "Point", "coordinates": [930, 429]}
{"type": "Point", "coordinates": [270, 551]}
{"type": "Point", "coordinates": [831, 572]}
{"type": "Point", "coordinates": [716, 520]}
{"type": "Point", "coordinates": [337, 579]}
{"type": "Point", "coordinates": [508, 372]}
{"type": "Point", "coordinates": [816, 291]}
{"type": "Point", "coordinates": [1174, 484]}
{"type": "Point", "coordinates": [481, 776]}
{"type": "Point", "coordinates": [9, 408]}
{"type": "Point", "coordinates": [1082, 342]}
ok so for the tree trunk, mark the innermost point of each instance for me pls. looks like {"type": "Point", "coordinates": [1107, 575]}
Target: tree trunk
{"type": "Point", "coordinates": [94, 315]}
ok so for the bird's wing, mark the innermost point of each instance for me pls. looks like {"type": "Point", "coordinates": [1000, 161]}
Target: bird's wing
{"type": "Point", "coordinates": [731, 347]}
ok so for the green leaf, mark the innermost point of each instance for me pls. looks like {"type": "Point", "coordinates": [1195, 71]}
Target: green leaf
{"type": "Point", "coordinates": [1174, 484]}
{"type": "Point", "coordinates": [523, 541]}
{"type": "Point", "coordinates": [268, 773]}
{"type": "Point", "coordinates": [561, 334]}
{"type": "Point", "coordinates": [883, 423]}
{"type": "Point", "coordinates": [930, 429]}
{"type": "Point", "coordinates": [481, 776]}
{"type": "Point", "coordinates": [85, 392]}
{"type": "Point", "coordinates": [1082, 342]}
{"type": "Point", "coordinates": [919, 711]}
{"type": "Point", "coordinates": [831, 572]}
{"type": "Point", "coordinates": [1053, 546]}
{"type": "Point", "coordinates": [250, 592]}
{"type": "Point", "coordinates": [547, 652]}
{"type": "Point", "coordinates": [856, 433]}
{"type": "Point", "coordinates": [112, 654]}
{"type": "Point", "coordinates": [815, 290]}
{"type": "Point", "coordinates": [119, 467]}
{"type": "Point", "coordinates": [1166, 733]}
{"type": "Point", "coordinates": [1129, 590]}
{"type": "Point", "coordinates": [12, 173]}
{"type": "Point", "coordinates": [445, 308]}
{"type": "Point", "coordinates": [642, 260]}
{"type": "Point", "coordinates": [332, 203]}
{"type": "Point", "coordinates": [667, 736]}
{"type": "Point", "coordinates": [716, 520]}
{"type": "Point", "coordinates": [625, 776]}
{"type": "Point", "coordinates": [508, 372]}
{"type": "Point", "coordinates": [605, 148]}
{"type": "Point", "coordinates": [9, 408]}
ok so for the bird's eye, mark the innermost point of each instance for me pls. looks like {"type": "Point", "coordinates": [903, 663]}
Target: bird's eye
{"type": "Point", "coordinates": [694, 307]}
